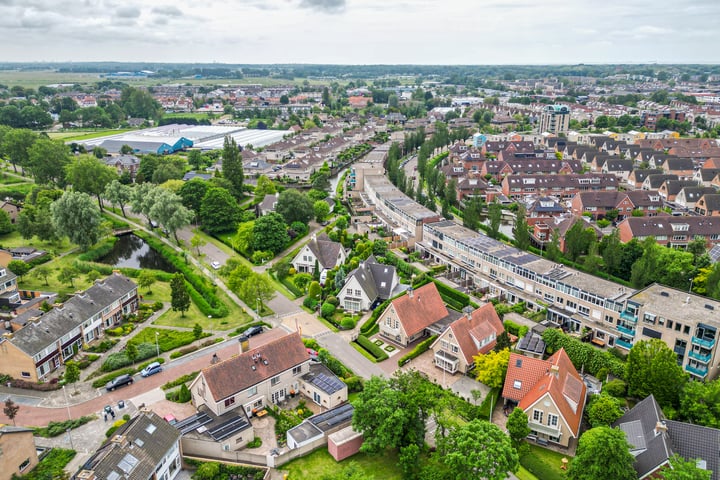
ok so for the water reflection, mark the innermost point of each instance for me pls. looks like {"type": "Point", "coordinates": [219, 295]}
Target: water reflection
{"type": "Point", "coordinates": [131, 251]}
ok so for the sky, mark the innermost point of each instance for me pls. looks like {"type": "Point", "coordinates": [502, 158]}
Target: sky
{"type": "Point", "coordinates": [464, 32]}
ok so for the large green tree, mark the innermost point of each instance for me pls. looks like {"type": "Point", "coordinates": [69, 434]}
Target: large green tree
{"type": "Point", "coordinates": [47, 161]}
{"type": "Point", "coordinates": [19, 268]}
{"type": "Point", "coordinates": [270, 233]}
{"type": "Point", "coordinates": [495, 218]}
{"type": "Point", "coordinates": [681, 469]}
{"type": "Point", "coordinates": [76, 216]}
{"type": "Point", "coordinates": [700, 403]}
{"type": "Point", "coordinates": [517, 425]}
{"type": "Point", "coordinates": [179, 296]}
{"type": "Point", "coordinates": [118, 194]}
{"type": "Point", "coordinates": [521, 233]}
{"type": "Point", "coordinates": [16, 145]}
{"type": "Point", "coordinates": [169, 211]}
{"type": "Point", "coordinates": [602, 452]}
{"type": "Point", "coordinates": [602, 410]}
{"type": "Point", "coordinates": [192, 193]}
{"type": "Point", "coordinates": [478, 449]}
{"type": "Point", "coordinates": [294, 206]}
{"type": "Point", "coordinates": [89, 175]}
{"type": "Point", "coordinates": [232, 168]}
{"type": "Point", "coordinates": [256, 287]}
{"type": "Point", "coordinates": [321, 210]}
{"type": "Point", "coordinates": [219, 211]}
{"type": "Point", "coordinates": [652, 368]}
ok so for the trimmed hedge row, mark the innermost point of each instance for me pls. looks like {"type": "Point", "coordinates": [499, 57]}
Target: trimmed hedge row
{"type": "Point", "coordinates": [583, 355]}
{"type": "Point", "coordinates": [371, 348]}
{"type": "Point", "coordinates": [100, 382]}
{"type": "Point", "coordinates": [419, 349]}
{"type": "Point", "coordinates": [53, 429]}
{"type": "Point", "coordinates": [490, 401]}
{"type": "Point", "coordinates": [201, 293]}
{"type": "Point", "coordinates": [515, 329]}
{"type": "Point", "coordinates": [452, 297]}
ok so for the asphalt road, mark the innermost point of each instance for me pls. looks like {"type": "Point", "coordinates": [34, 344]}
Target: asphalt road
{"type": "Point", "coordinates": [352, 359]}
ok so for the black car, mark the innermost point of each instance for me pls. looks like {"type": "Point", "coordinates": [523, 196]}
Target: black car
{"type": "Point", "coordinates": [120, 381]}
{"type": "Point", "coordinates": [256, 330]}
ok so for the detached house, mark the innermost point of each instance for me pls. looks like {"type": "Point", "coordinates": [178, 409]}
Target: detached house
{"type": "Point", "coordinates": [550, 392]}
{"type": "Point", "coordinates": [408, 317]}
{"type": "Point", "coordinates": [320, 251]}
{"type": "Point", "coordinates": [475, 333]}
{"type": "Point", "coordinates": [19, 455]}
{"type": "Point", "coordinates": [709, 205]}
{"type": "Point", "coordinates": [368, 284]}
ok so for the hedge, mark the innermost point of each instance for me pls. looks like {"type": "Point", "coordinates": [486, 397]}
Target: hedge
{"type": "Point", "coordinates": [180, 380]}
{"type": "Point", "coordinates": [371, 348]}
{"type": "Point", "coordinates": [184, 351]}
{"type": "Point", "coordinates": [451, 296]}
{"type": "Point", "coordinates": [201, 293]}
{"type": "Point", "coordinates": [515, 329]}
{"type": "Point", "coordinates": [485, 406]}
{"type": "Point", "coordinates": [53, 429]}
{"type": "Point", "coordinates": [100, 382]}
{"type": "Point", "coordinates": [583, 355]}
{"type": "Point", "coordinates": [244, 327]}
{"type": "Point", "coordinates": [419, 349]}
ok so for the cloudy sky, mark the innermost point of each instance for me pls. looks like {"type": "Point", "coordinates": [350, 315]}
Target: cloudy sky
{"type": "Point", "coordinates": [362, 31]}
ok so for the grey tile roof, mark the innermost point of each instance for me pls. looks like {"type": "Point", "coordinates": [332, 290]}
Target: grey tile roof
{"type": "Point", "coordinates": [696, 442]}
{"type": "Point", "coordinates": [376, 279]}
{"type": "Point", "coordinates": [35, 336]}
{"type": "Point", "coordinates": [325, 250]}
{"type": "Point", "coordinates": [135, 450]}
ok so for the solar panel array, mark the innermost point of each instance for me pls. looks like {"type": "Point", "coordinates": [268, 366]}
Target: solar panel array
{"type": "Point", "coordinates": [532, 343]}
{"type": "Point", "coordinates": [714, 253]}
{"type": "Point", "coordinates": [326, 383]}
{"type": "Point", "coordinates": [333, 417]}
{"type": "Point", "coordinates": [193, 423]}
{"type": "Point", "coordinates": [228, 428]}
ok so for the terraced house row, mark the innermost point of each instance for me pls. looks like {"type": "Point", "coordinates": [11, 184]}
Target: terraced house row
{"type": "Point", "coordinates": [606, 313]}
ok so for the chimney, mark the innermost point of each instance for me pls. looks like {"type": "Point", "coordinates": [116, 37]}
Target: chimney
{"type": "Point", "coordinates": [120, 440]}
{"type": "Point", "coordinates": [660, 427]}
{"type": "Point", "coordinates": [244, 343]}
{"type": "Point", "coordinates": [410, 292]}
{"type": "Point", "coordinates": [555, 371]}
{"type": "Point", "coordinates": [86, 475]}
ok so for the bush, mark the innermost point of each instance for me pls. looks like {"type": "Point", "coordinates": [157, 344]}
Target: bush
{"type": "Point", "coordinates": [515, 329]}
{"type": "Point", "coordinates": [333, 300]}
{"type": "Point", "coordinates": [347, 323]}
{"type": "Point", "coordinates": [167, 339]}
{"type": "Point", "coordinates": [255, 443]}
{"type": "Point", "coordinates": [51, 465]}
{"type": "Point", "coordinates": [117, 424]}
{"type": "Point", "coordinates": [53, 429]}
{"type": "Point", "coordinates": [419, 349]}
{"type": "Point", "coordinates": [333, 364]}
{"type": "Point", "coordinates": [490, 401]}
{"type": "Point", "coordinates": [327, 310]}
{"type": "Point", "coordinates": [310, 303]}
{"type": "Point", "coordinates": [371, 348]}
{"type": "Point", "coordinates": [86, 360]}
{"type": "Point", "coordinates": [181, 395]}
{"type": "Point", "coordinates": [615, 388]}
{"type": "Point", "coordinates": [101, 250]}
{"type": "Point", "coordinates": [180, 380]}
{"type": "Point", "coordinates": [100, 382]}
{"type": "Point", "coordinates": [183, 351]}
{"type": "Point", "coordinates": [103, 346]}
{"type": "Point", "coordinates": [354, 384]}
{"type": "Point", "coordinates": [120, 359]}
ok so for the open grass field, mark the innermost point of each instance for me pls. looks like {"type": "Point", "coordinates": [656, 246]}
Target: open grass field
{"type": "Point", "coordinates": [320, 463]}
{"type": "Point", "coordinates": [75, 135]}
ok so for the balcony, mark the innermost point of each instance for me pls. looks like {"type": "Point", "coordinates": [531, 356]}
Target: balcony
{"type": "Point", "coordinates": [700, 357]}
{"type": "Point", "coordinates": [631, 317]}
{"type": "Point", "coordinates": [697, 371]}
{"type": "Point", "coordinates": [709, 344]}
{"type": "Point", "coordinates": [623, 344]}
{"type": "Point", "coordinates": [626, 330]}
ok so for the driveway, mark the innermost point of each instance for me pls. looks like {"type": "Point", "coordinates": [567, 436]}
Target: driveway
{"type": "Point", "coordinates": [353, 359]}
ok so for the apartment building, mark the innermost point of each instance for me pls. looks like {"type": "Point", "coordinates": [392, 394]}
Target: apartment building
{"type": "Point", "coordinates": [687, 323]}
{"type": "Point", "coordinates": [573, 299]}
{"type": "Point", "coordinates": [562, 186]}
{"type": "Point", "coordinates": [38, 348]}
{"type": "Point", "coordinates": [555, 119]}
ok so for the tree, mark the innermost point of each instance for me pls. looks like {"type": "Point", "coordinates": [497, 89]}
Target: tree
{"type": "Point", "coordinates": [179, 296]}
{"type": "Point", "coordinates": [602, 452]}
{"type": "Point", "coordinates": [192, 193]}
{"type": "Point", "coordinates": [553, 252]}
{"type": "Point", "coordinates": [145, 280]}
{"type": "Point", "coordinates": [294, 206]}
{"type": "Point", "coordinates": [11, 409]}
{"type": "Point", "coordinates": [700, 403]}
{"type": "Point", "coordinates": [169, 212]}
{"type": "Point", "coordinates": [320, 181]}
{"type": "Point", "coordinates": [89, 175]}
{"type": "Point", "coordinates": [270, 233]}
{"type": "Point", "coordinates": [19, 268]}
{"type": "Point", "coordinates": [256, 287]}
{"type": "Point", "coordinates": [284, 100]}
{"type": "Point", "coordinates": [314, 290]}
{"type": "Point", "coordinates": [321, 209]}
{"type": "Point", "coordinates": [477, 449]}
{"type": "Point", "coordinates": [195, 159]}
{"type": "Point", "coordinates": [521, 233]}
{"type": "Point", "coordinates": [491, 368]}
{"type": "Point", "coordinates": [495, 217]}
{"type": "Point", "coordinates": [652, 368]}
{"type": "Point", "coordinates": [76, 216]}
{"type": "Point", "coordinates": [517, 425]}
{"type": "Point", "coordinates": [471, 215]}
{"type": "Point", "coordinates": [72, 373]}
{"type": "Point", "coordinates": [502, 342]}
{"type": "Point", "coordinates": [16, 145]}
{"type": "Point", "coordinates": [68, 275]}
{"type": "Point", "coordinates": [578, 240]}
{"type": "Point", "coordinates": [47, 160]}
{"type": "Point", "coordinates": [197, 243]}
{"type": "Point", "coordinates": [43, 271]}
{"type": "Point", "coordinates": [603, 410]}
{"type": "Point", "coordinates": [197, 331]}
{"type": "Point", "coordinates": [681, 469]}
{"type": "Point", "coordinates": [118, 194]}
{"type": "Point", "coordinates": [243, 241]}
{"type": "Point", "coordinates": [219, 211]}
{"type": "Point", "coordinates": [6, 225]}
{"type": "Point", "coordinates": [232, 168]}
{"type": "Point", "coordinates": [139, 103]}
{"type": "Point", "coordinates": [264, 186]}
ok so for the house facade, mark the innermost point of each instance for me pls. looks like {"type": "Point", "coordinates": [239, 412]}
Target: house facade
{"type": "Point", "coordinates": [46, 342]}
{"type": "Point", "coordinates": [369, 283]}
{"type": "Point", "coordinates": [408, 316]}
{"type": "Point", "coordinates": [550, 392]}
{"type": "Point", "coordinates": [19, 455]}
{"type": "Point", "coordinates": [320, 252]}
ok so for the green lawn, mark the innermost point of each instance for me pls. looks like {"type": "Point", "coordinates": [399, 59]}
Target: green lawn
{"type": "Point", "coordinates": [543, 463]}
{"type": "Point", "coordinates": [320, 463]}
{"type": "Point", "coordinates": [167, 339]}
{"type": "Point", "coordinates": [523, 474]}
{"type": "Point", "coordinates": [72, 135]}
{"type": "Point", "coordinates": [23, 187]}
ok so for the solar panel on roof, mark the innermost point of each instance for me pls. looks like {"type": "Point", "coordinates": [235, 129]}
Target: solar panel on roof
{"type": "Point", "coordinates": [226, 429]}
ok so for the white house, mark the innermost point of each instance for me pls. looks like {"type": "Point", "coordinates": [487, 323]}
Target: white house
{"type": "Point", "coordinates": [322, 250]}
{"type": "Point", "coordinates": [367, 284]}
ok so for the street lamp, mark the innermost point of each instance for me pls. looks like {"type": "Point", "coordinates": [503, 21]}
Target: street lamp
{"type": "Point", "coordinates": [67, 405]}
{"type": "Point", "coordinates": [691, 282]}
{"type": "Point", "coordinates": [157, 345]}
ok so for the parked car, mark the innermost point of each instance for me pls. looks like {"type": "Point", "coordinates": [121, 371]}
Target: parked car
{"type": "Point", "coordinates": [256, 330]}
{"type": "Point", "coordinates": [120, 381]}
{"type": "Point", "coordinates": [151, 369]}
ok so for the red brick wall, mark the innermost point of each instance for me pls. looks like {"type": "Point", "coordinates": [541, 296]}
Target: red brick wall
{"type": "Point", "coordinates": [345, 450]}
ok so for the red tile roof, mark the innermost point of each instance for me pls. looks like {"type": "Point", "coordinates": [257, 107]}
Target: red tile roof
{"type": "Point", "coordinates": [469, 332]}
{"type": "Point", "coordinates": [419, 309]}
{"type": "Point", "coordinates": [555, 376]}
{"type": "Point", "coordinates": [237, 374]}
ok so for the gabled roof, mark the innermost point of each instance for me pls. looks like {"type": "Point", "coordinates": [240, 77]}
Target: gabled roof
{"type": "Point", "coordinates": [711, 201]}
{"type": "Point", "coordinates": [376, 279]}
{"type": "Point", "coordinates": [618, 165]}
{"type": "Point", "coordinates": [471, 329]}
{"type": "Point", "coordinates": [556, 377]}
{"type": "Point", "coordinates": [325, 250]}
{"type": "Point", "coordinates": [135, 450]}
{"type": "Point", "coordinates": [417, 310]}
{"type": "Point", "coordinates": [250, 368]}
{"type": "Point", "coordinates": [679, 164]}
{"type": "Point", "coordinates": [656, 180]}
{"type": "Point", "coordinates": [696, 442]}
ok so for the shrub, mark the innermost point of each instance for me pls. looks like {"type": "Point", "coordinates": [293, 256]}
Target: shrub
{"type": "Point", "coordinates": [51, 465]}
{"type": "Point", "coordinates": [86, 360]}
{"type": "Point", "coordinates": [101, 250]}
{"type": "Point", "coordinates": [371, 348]}
{"type": "Point", "coordinates": [348, 323]}
{"type": "Point", "coordinates": [489, 403]}
{"type": "Point", "coordinates": [327, 310]}
{"type": "Point", "coordinates": [354, 384]}
{"type": "Point", "coordinates": [616, 388]}
{"type": "Point", "coordinates": [120, 359]}
{"type": "Point", "coordinates": [255, 443]}
{"type": "Point", "coordinates": [310, 303]}
{"type": "Point", "coordinates": [333, 300]}
{"type": "Point", "coordinates": [103, 346]}
{"type": "Point", "coordinates": [180, 380]}
{"type": "Point", "coordinates": [515, 329]}
{"type": "Point", "coordinates": [181, 395]}
{"type": "Point", "coordinates": [333, 364]}
{"type": "Point", "coordinates": [118, 423]}
{"type": "Point", "coordinates": [419, 349]}
{"type": "Point", "coordinates": [183, 351]}
{"type": "Point", "coordinates": [53, 429]}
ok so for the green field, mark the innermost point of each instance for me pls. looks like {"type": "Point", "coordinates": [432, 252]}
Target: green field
{"type": "Point", "coordinates": [320, 463]}
{"type": "Point", "coordinates": [74, 135]}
